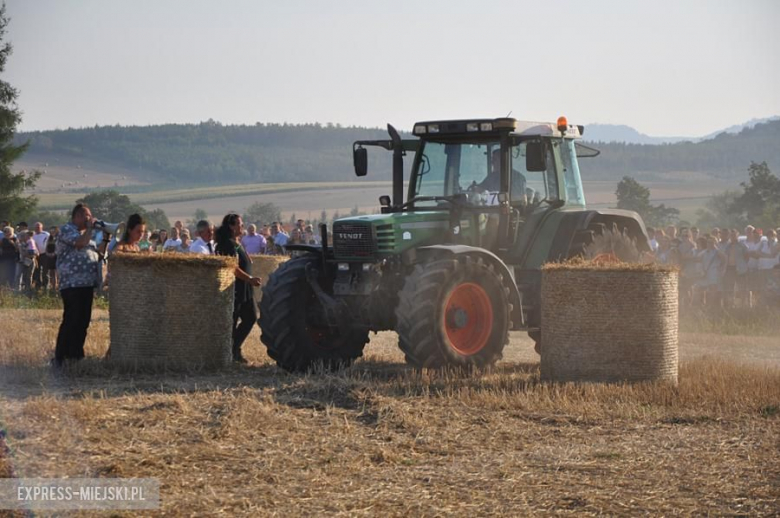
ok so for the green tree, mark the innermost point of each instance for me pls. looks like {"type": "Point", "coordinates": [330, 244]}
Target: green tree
{"type": "Point", "coordinates": [262, 213]}
{"type": "Point", "coordinates": [111, 206]}
{"type": "Point", "coordinates": [760, 201]}
{"type": "Point", "coordinates": [14, 205]}
{"type": "Point", "coordinates": [631, 195]}
{"type": "Point", "coordinates": [197, 216]}
{"type": "Point", "coordinates": [719, 212]}
{"type": "Point", "coordinates": [156, 219]}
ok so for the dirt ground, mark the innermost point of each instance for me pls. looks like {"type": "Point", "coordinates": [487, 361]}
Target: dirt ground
{"type": "Point", "coordinates": [382, 439]}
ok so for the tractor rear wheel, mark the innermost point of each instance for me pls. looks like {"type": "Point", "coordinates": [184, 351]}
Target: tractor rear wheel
{"type": "Point", "coordinates": [293, 324]}
{"type": "Point", "coordinates": [453, 312]}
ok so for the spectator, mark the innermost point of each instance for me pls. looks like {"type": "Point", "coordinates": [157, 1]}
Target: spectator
{"type": "Point", "coordinates": [78, 269]}
{"type": "Point", "coordinates": [695, 235]}
{"type": "Point", "coordinates": [753, 243]}
{"type": "Point", "coordinates": [203, 244]}
{"type": "Point", "coordinates": [689, 266]}
{"type": "Point", "coordinates": [309, 237]}
{"type": "Point", "coordinates": [280, 238]}
{"type": "Point", "coordinates": [144, 244]}
{"type": "Point", "coordinates": [300, 225]}
{"type": "Point", "coordinates": [253, 242]}
{"type": "Point", "coordinates": [28, 258]}
{"type": "Point", "coordinates": [9, 256]}
{"type": "Point", "coordinates": [186, 242]}
{"type": "Point", "coordinates": [131, 238]}
{"type": "Point", "coordinates": [48, 261]}
{"type": "Point", "coordinates": [161, 239]}
{"type": "Point", "coordinates": [652, 241]}
{"type": "Point", "coordinates": [173, 242]}
{"type": "Point", "coordinates": [244, 304]}
{"type": "Point", "coordinates": [735, 274]}
{"type": "Point", "coordinates": [767, 260]}
{"type": "Point", "coordinates": [713, 266]}
{"type": "Point", "coordinates": [40, 237]}
{"type": "Point", "coordinates": [716, 234]}
{"type": "Point", "coordinates": [671, 232]}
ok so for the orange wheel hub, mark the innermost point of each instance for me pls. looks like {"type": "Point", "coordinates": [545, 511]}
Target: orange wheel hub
{"type": "Point", "coordinates": [468, 318]}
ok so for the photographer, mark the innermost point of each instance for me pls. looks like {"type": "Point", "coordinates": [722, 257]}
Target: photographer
{"type": "Point", "coordinates": [78, 269]}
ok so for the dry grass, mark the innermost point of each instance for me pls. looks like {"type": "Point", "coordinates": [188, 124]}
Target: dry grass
{"type": "Point", "coordinates": [381, 439]}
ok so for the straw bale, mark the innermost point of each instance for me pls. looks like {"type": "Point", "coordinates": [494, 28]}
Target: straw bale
{"type": "Point", "coordinates": [609, 323]}
{"type": "Point", "coordinates": [172, 309]}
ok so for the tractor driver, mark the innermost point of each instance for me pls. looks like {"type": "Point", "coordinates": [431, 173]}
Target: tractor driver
{"type": "Point", "coordinates": [492, 182]}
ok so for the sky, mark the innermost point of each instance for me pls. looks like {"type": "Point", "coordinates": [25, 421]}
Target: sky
{"type": "Point", "coordinates": [666, 68]}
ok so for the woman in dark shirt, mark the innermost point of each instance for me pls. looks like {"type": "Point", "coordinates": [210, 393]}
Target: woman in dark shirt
{"type": "Point", "coordinates": [9, 256]}
{"type": "Point", "coordinates": [244, 307]}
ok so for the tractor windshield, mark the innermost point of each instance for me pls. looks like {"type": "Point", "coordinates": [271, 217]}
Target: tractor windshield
{"type": "Point", "coordinates": [448, 169]}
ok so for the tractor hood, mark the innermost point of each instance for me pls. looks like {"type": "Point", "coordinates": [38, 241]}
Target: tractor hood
{"type": "Point", "coordinates": [377, 236]}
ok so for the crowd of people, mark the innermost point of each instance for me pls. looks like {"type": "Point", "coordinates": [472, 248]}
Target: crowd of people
{"type": "Point", "coordinates": [722, 267]}
{"type": "Point", "coordinates": [28, 257]}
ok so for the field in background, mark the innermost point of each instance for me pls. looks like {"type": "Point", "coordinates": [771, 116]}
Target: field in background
{"type": "Point", "coordinates": [382, 439]}
{"type": "Point", "coordinates": [309, 199]}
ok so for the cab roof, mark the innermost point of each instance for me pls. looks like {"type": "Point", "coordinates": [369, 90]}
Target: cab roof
{"type": "Point", "coordinates": [443, 129]}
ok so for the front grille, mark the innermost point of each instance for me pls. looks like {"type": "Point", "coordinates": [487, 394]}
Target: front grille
{"type": "Point", "coordinates": [352, 240]}
{"type": "Point", "coordinates": [385, 238]}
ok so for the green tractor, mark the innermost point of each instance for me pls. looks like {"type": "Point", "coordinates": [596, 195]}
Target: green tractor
{"type": "Point", "coordinates": [457, 264]}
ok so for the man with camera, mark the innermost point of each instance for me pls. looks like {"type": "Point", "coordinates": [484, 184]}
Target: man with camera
{"type": "Point", "coordinates": [78, 268]}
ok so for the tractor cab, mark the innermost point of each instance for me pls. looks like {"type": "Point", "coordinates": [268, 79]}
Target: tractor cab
{"type": "Point", "coordinates": [487, 178]}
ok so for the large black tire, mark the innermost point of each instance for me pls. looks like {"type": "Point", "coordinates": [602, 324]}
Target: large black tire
{"type": "Point", "coordinates": [444, 298]}
{"type": "Point", "coordinates": [292, 323]}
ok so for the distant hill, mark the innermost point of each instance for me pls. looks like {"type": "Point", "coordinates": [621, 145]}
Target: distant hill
{"type": "Point", "coordinates": [622, 133]}
{"type": "Point", "coordinates": [628, 135]}
{"type": "Point", "coordinates": [209, 153]}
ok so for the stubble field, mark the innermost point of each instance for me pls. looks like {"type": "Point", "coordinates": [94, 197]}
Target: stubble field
{"type": "Point", "coordinates": [382, 439]}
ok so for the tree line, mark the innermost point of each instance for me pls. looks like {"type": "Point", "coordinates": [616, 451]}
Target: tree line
{"type": "Point", "coordinates": [212, 153]}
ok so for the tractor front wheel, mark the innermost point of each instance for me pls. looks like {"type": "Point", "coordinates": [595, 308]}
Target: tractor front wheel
{"type": "Point", "coordinates": [453, 312]}
{"type": "Point", "coordinates": [293, 324]}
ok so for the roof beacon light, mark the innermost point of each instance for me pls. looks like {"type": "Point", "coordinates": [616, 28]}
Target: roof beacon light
{"type": "Point", "coordinates": [562, 124]}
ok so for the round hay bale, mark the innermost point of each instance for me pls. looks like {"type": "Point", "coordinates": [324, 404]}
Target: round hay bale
{"type": "Point", "coordinates": [609, 323]}
{"type": "Point", "coordinates": [263, 266]}
{"type": "Point", "coordinates": [173, 309]}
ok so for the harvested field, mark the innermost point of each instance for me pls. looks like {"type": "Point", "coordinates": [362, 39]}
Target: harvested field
{"type": "Point", "coordinates": [381, 439]}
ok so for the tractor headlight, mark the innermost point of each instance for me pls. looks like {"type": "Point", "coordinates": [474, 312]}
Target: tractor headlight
{"type": "Point", "coordinates": [343, 267]}
{"type": "Point", "coordinates": [472, 126]}
{"type": "Point", "coordinates": [433, 128]}
{"type": "Point", "coordinates": [367, 267]}
{"type": "Point", "coordinates": [486, 126]}
{"type": "Point", "coordinates": [419, 129]}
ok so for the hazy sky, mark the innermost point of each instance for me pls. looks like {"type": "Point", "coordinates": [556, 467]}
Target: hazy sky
{"type": "Point", "coordinates": [664, 67]}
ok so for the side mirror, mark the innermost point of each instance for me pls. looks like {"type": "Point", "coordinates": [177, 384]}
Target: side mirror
{"type": "Point", "coordinates": [360, 158]}
{"type": "Point", "coordinates": [535, 156]}
{"type": "Point", "coordinates": [384, 200]}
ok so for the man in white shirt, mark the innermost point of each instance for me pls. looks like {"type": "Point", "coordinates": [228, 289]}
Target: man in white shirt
{"type": "Point", "coordinates": [253, 242]}
{"type": "Point", "coordinates": [204, 243]}
{"type": "Point", "coordinates": [40, 237]}
{"type": "Point", "coordinates": [173, 242]}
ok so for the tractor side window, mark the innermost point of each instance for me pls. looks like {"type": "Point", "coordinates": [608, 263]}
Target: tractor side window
{"type": "Point", "coordinates": [571, 174]}
{"type": "Point", "coordinates": [539, 185]}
